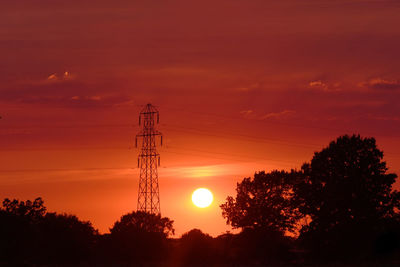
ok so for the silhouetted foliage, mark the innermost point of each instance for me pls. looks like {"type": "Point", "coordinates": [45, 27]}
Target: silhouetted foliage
{"type": "Point", "coordinates": [262, 245]}
{"type": "Point", "coordinates": [343, 198]}
{"type": "Point", "coordinates": [263, 202]}
{"type": "Point", "coordinates": [29, 234]}
{"type": "Point", "coordinates": [387, 243]}
{"type": "Point", "coordinates": [137, 235]}
{"type": "Point", "coordinates": [18, 228]}
{"type": "Point", "coordinates": [65, 238]}
{"type": "Point", "coordinates": [197, 247]}
{"type": "Point", "coordinates": [348, 196]}
{"type": "Point", "coordinates": [143, 222]}
{"type": "Point", "coordinates": [34, 210]}
{"type": "Point", "coordinates": [264, 209]}
{"type": "Point", "coordinates": [227, 253]}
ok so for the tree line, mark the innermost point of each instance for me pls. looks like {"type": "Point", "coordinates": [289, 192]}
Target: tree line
{"type": "Point", "coordinates": [339, 207]}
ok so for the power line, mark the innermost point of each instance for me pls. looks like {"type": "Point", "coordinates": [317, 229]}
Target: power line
{"type": "Point", "coordinates": [235, 118]}
{"type": "Point", "coordinates": [230, 156]}
{"type": "Point", "coordinates": [242, 136]}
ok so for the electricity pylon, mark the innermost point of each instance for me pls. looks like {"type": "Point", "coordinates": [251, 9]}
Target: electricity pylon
{"type": "Point", "coordinates": [148, 161]}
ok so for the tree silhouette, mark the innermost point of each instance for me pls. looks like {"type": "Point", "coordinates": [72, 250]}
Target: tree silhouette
{"type": "Point", "coordinates": [143, 222]}
{"type": "Point", "coordinates": [264, 209]}
{"type": "Point", "coordinates": [65, 238]}
{"type": "Point", "coordinates": [263, 202]}
{"type": "Point", "coordinates": [33, 210]}
{"type": "Point", "coordinates": [348, 196]}
{"type": "Point", "coordinates": [197, 247]}
{"type": "Point", "coordinates": [262, 245]}
{"type": "Point", "coordinates": [18, 228]}
{"type": "Point", "coordinates": [137, 235]}
{"type": "Point", "coordinates": [29, 234]}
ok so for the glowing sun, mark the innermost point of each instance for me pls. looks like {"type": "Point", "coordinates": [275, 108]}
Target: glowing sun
{"type": "Point", "coordinates": [202, 197]}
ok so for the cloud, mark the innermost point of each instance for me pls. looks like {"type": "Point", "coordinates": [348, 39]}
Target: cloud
{"type": "Point", "coordinates": [251, 87]}
{"type": "Point", "coordinates": [317, 84]}
{"type": "Point", "coordinates": [250, 114]}
{"type": "Point", "coordinates": [96, 101]}
{"type": "Point", "coordinates": [324, 85]}
{"type": "Point", "coordinates": [274, 115]}
{"type": "Point", "coordinates": [246, 112]}
{"type": "Point", "coordinates": [63, 77]}
{"type": "Point", "coordinates": [381, 84]}
{"type": "Point", "coordinates": [52, 77]}
{"type": "Point", "coordinates": [95, 98]}
{"type": "Point", "coordinates": [64, 90]}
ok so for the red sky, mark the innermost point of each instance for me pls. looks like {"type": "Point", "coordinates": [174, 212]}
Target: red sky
{"type": "Point", "coordinates": [241, 86]}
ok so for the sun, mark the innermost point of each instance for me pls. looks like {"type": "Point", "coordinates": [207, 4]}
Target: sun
{"type": "Point", "coordinates": [202, 197]}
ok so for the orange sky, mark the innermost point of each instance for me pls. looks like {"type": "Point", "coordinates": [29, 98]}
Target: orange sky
{"type": "Point", "coordinates": [241, 86]}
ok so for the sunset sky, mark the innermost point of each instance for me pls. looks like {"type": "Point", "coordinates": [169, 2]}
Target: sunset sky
{"type": "Point", "coordinates": [241, 86]}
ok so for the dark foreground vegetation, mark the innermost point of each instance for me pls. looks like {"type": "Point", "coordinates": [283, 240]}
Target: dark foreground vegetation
{"type": "Point", "coordinates": [339, 209]}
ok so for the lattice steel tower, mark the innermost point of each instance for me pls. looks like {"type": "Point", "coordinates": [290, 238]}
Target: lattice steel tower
{"type": "Point", "coordinates": [148, 160]}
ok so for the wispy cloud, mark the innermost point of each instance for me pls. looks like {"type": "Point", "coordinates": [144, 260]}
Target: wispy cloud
{"type": "Point", "coordinates": [66, 76]}
{"type": "Point", "coordinates": [317, 84]}
{"type": "Point", "coordinates": [274, 115]}
{"type": "Point", "coordinates": [250, 87]}
{"type": "Point", "coordinates": [246, 113]}
{"type": "Point", "coordinates": [381, 84]}
{"type": "Point", "coordinates": [324, 86]}
{"type": "Point", "coordinates": [64, 90]}
{"type": "Point", "coordinates": [271, 115]}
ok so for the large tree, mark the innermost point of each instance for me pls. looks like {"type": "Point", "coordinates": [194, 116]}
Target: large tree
{"type": "Point", "coordinates": [346, 193]}
{"type": "Point", "coordinates": [264, 202]}
{"type": "Point", "coordinates": [143, 222]}
{"type": "Point", "coordinates": [138, 235]}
